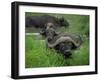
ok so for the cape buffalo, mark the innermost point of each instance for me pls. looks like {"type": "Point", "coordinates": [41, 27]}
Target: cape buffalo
{"type": "Point", "coordinates": [40, 21]}
{"type": "Point", "coordinates": [62, 42]}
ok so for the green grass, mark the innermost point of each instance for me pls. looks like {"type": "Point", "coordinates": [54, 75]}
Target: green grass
{"type": "Point", "coordinates": [37, 55]}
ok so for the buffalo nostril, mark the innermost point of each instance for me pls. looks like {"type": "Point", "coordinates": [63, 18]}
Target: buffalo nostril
{"type": "Point", "coordinates": [67, 53]}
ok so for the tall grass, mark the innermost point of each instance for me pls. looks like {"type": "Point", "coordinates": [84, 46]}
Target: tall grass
{"type": "Point", "coordinates": [38, 55]}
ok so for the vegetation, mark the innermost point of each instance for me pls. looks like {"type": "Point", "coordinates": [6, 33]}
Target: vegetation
{"type": "Point", "coordinates": [38, 55]}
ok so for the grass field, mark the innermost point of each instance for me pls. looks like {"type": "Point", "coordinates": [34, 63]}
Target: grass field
{"type": "Point", "coordinates": [37, 55]}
